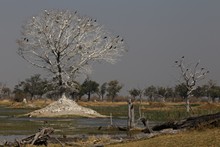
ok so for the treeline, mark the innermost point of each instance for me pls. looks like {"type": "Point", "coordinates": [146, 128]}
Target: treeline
{"type": "Point", "coordinates": [37, 87]}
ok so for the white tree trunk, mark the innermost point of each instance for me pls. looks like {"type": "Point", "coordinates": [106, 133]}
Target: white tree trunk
{"type": "Point", "coordinates": [187, 105]}
{"type": "Point", "coordinates": [130, 115]}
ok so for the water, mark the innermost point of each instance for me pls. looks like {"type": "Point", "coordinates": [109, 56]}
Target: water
{"type": "Point", "coordinates": [12, 127]}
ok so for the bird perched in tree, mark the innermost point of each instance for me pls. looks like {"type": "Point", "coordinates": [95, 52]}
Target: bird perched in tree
{"type": "Point", "coordinates": [46, 12]}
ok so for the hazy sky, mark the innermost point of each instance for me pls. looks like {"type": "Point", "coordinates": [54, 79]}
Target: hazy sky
{"type": "Point", "coordinates": [156, 32]}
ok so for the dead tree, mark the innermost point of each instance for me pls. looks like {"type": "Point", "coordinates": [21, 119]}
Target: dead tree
{"type": "Point", "coordinates": [40, 138]}
{"type": "Point", "coordinates": [191, 75]}
{"type": "Point", "coordinates": [130, 115]}
{"type": "Point", "coordinates": [65, 44]}
{"type": "Point", "coordinates": [211, 120]}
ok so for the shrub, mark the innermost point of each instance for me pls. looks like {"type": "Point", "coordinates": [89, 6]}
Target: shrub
{"type": "Point", "coordinates": [19, 96]}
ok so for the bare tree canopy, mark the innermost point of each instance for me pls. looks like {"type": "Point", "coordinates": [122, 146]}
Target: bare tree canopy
{"type": "Point", "coordinates": [191, 75]}
{"type": "Point", "coordinates": [65, 43]}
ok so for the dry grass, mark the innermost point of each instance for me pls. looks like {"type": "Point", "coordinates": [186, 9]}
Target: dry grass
{"type": "Point", "coordinates": [5, 102]}
{"type": "Point", "coordinates": [90, 142]}
{"type": "Point", "coordinates": [94, 140]}
{"type": "Point", "coordinates": [38, 103]}
{"type": "Point", "coordinates": [209, 106]}
{"type": "Point", "coordinates": [195, 138]}
{"type": "Point", "coordinates": [102, 103]}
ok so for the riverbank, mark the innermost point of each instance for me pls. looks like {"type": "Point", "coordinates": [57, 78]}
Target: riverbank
{"type": "Point", "coordinates": [196, 138]}
{"type": "Point", "coordinates": [68, 125]}
{"type": "Point", "coordinates": [190, 138]}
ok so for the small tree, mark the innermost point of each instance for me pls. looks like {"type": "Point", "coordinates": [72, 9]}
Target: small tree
{"type": "Point", "coordinates": [33, 86]}
{"type": "Point", "coordinates": [89, 87]}
{"type": "Point", "coordinates": [191, 75]}
{"type": "Point", "coordinates": [181, 90]}
{"type": "Point", "coordinates": [113, 89]}
{"type": "Point", "coordinates": [169, 92]}
{"type": "Point", "coordinates": [134, 93]}
{"type": "Point", "coordinates": [140, 93]}
{"type": "Point", "coordinates": [199, 91]}
{"type": "Point", "coordinates": [150, 92]}
{"type": "Point", "coordinates": [214, 92]}
{"type": "Point", "coordinates": [103, 90]}
{"type": "Point", "coordinates": [4, 90]}
{"type": "Point", "coordinates": [161, 91]}
{"type": "Point", "coordinates": [65, 44]}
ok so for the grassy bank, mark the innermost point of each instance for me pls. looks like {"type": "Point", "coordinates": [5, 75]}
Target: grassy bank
{"type": "Point", "coordinates": [193, 138]}
{"type": "Point", "coordinates": [154, 111]}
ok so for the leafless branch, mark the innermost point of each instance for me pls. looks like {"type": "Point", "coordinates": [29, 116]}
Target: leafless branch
{"type": "Point", "coordinates": [64, 43]}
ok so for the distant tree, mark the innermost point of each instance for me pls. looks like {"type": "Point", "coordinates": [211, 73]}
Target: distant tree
{"type": "Point", "coordinates": [150, 92]}
{"type": "Point", "coordinates": [214, 92]}
{"type": "Point", "coordinates": [33, 86]}
{"type": "Point", "coordinates": [190, 75]}
{"type": "Point", "coordinates": [4, 90]}
{"type": "Point", "coordinates": [134, 93]}
{"type": "Point", "coordinates": [103, 89]}
{"type": "Point", "coordinates": [161, 91]}
{"type": "Point", "coordinates": [65, 44]}
{"type": "Point", "coordinates": [113, 89]}
{"type": "Point", "coordinates": [89, 87]}
{"type": "Point", "coordinates": [169, 92]}
{"type": "Point", "coordinates": [181, 90]}
{"type": "Point", "coordinates": [199, 91]}
{"type": "Point", "coordinates": [140, 94]}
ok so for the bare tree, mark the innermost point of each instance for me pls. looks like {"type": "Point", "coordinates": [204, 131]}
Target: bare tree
{"type": "Point", "coordinates": [65, 44]}
{"type": "Point", "coordinates": [191, 75]}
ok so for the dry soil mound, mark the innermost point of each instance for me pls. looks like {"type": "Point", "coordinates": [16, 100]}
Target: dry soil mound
{"type": "Point", "coordinates": [64, 107]}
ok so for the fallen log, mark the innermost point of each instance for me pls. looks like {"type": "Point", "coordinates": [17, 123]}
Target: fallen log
{"type": "Point", "coordinates": [40, 138]}
{"type": "Point", "coordinates": [211, 120]}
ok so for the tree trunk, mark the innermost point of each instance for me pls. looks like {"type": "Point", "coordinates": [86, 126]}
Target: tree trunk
{"type": "Point", "coordinates": [211, 120]}
{"type": "Point", "coordinates": [89, 96]}
{"type": "Point", "coordinates": [140, 99]}
{"type": "Point", "coordinates": [187, 104]}
{"type": "Point", "coordinates": [130, 115]}
{"type": "Point", "coordinates": [113, 99]}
